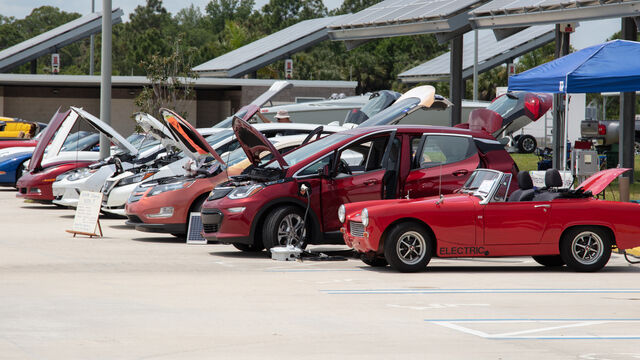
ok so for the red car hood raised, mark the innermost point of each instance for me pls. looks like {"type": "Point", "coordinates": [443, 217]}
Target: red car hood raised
{"type": "Point", "coordinates": [55, 122]}
{"type": "Point", "coordinates": [600, 180]}
{"type": "Point", "coordinates": [254, 143]}
{"type": "Point", "coordinates": [190, 140]}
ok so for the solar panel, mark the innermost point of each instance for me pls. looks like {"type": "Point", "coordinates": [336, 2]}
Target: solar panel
{"type": "Point", "coordinates": [490, 53]}
{"type": "Point", "coordinates": [194, 231]}
{"type": "Point", "coordinates": [270, 48]}
{"type": "Point", "coordinates": [509, 13]}
{"type": "Point", "coordinates": [56, 38]}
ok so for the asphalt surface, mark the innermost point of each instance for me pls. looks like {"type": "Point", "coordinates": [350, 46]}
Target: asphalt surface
{"type": "Point", "coordinates": [133, 295]}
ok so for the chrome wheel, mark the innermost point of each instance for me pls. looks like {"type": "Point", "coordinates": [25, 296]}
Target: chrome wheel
{"type": "Point", "coordinates": [291, 230]}
{"type": "Point", "coordinates": [411, 248]}
{"type": "Point", "coordinates": [528, 144]}
{"type": "Point", "coordinates": [587, 248]}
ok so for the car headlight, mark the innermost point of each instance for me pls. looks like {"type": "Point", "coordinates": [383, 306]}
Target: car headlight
{"type": "Point", "coordinates": [81, 174]}
{"type": "Point", "coordinates": [364, 216]}
{"type": "Point", "coordinates": [341, 213]}
{"type": "Point", "coordinates": [159, 189]}
{"type": "Point", "coordinates": [242, 192]}
{"type": "Point", "coordinates": [135, 178]}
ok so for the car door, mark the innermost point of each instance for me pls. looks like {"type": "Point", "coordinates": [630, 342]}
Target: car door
{"type": "Point", "coordinates": [366, 159]}
{"type": "Point", "coordinates": [441, 163]}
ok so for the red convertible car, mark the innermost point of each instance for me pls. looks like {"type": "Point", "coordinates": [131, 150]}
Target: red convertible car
{"type": "Point", "coordinates": [555, 226]}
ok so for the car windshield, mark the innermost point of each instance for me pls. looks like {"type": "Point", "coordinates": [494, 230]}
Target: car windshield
{"type": "Point", "coordinates": [393, 112]}
{"type": "Point", "coordinates": [503, 105]}
{"type": "Point", "coordinates": [295, 156]}
{"type": "Point", "coordinates": [213, 139]}
{"type": "Point", "coordinates": [481, 182]}
{"type": "Point", "coordinates": [83, 143]}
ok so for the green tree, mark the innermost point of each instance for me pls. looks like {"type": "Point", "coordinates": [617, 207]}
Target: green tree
{"type": "Point", "coordinates": [219, 12]}
{"type": "Point", "coordinates": [279, 14]}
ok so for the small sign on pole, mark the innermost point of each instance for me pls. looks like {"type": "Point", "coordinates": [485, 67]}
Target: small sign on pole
{"type": "Point", "coordinates": [55, 63]}
{"type": "Point", "coordinates": [86, 220]}
{"type": "Point", "coordinates": [288, 68]}
{"type": "Point", "coordinates": [511, 69]}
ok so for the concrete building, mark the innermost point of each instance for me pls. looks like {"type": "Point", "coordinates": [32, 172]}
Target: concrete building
{"type": "Point", "coordinates": [36, 97]}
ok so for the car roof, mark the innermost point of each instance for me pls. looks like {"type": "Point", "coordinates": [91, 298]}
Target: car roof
{"type": "Point", "coordinates": [419, 128]}
{"type": "Point", "coordinates": [295, 126]}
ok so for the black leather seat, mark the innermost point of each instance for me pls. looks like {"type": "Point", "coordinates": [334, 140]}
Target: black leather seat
{"type": "Point", "coordinates": [526, 191]}
{"type": "Point", "coordinates": [552, 181]}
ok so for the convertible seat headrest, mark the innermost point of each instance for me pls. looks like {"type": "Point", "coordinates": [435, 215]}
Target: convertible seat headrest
{"type": "Point", "coordinates": [524, 180]}
{"type": "Point", "coordinates": [552, 178]}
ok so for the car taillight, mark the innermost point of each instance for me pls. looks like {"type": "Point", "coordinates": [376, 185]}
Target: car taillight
{"type": "Point", "coordinates": [602, 130]}
{"type": "Point", "coordinates": [532, 104]}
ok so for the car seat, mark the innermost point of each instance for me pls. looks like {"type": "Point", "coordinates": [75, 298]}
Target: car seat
{"type": "Point", "coordinates": [526, 191]}
{"type": "Point", "coordinates": [552, 182]}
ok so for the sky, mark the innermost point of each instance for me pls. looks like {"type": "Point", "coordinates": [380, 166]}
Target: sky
{"type": "Point", "coordinates": [587, 34]}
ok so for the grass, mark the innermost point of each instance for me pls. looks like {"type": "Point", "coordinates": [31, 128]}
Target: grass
{"type": "Point", "coordinates": [529, 162]}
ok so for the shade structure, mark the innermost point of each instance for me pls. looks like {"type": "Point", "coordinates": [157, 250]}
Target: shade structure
{"type": "Point", "coordinates": [612, 66]}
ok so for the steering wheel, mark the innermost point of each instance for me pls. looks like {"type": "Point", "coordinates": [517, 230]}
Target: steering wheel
{"type": "Point", "coordinates": [343, 167]}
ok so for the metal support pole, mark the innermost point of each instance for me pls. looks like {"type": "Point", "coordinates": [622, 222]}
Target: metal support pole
{"type": "Point", "coordinates": [627, 120]}
{"type": "Point", "coordinates": [475, 65]}
{"type": "Point", "coordinates": [91, 66]}
{"type": "Point", "coordinates": [34, 66]}
{"type": "Point", "coordinates": [559, 157]}
{"type": "Point", "coordinates": [456, 86]}
{"type": "Point", "coordinates": [105, 72]}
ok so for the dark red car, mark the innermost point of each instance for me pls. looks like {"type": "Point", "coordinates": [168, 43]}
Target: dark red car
{"type": "Point", "coordinates": [268, 206]}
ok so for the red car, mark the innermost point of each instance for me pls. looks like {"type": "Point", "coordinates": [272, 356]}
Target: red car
{"type": "Point", "coordinates": [268, 205]}
{"type": "Point", "coordinates": [554, 226]}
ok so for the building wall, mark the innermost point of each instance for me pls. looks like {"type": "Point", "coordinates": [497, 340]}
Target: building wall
{"type": "Point", "coordinates": [211, 105]}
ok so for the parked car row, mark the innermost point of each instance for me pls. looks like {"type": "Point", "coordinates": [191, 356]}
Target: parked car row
{"type": "Point", "coordinates": [397, 194]}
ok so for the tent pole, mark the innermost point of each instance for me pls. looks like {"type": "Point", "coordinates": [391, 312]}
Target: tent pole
{"type": "Point", "coordinates": [626, 142]}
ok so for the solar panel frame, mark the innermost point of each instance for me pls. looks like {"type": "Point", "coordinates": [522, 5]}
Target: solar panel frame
{"type": "Point", "coordinates": [438, 69]}
{"type": "Point", "coordinates": [194, 230]}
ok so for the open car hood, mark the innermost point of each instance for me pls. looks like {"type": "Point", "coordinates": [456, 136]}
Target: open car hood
{"type": "Point", "coordinates": [421, 97]}
{"type": "Point", "coordinates": [155, 128]}
{"type": "Point", "coordinates": [188, 138]}
{"type": "Point", "coordinates": [600, 180]}
{"type": "Point", "coordinates": [54, 124]}
{"type": "Point", "coordinates": [254, 143]}
{"type": "Point", "coordinates": [107, 130]}
{"type": "Point", "coordinates": [246, 112]}
{"type": "Point", "coordinates": [509, 113]}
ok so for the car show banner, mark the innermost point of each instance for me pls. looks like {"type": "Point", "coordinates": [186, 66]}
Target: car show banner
{"type": "Point", "coordinates": [86, 221]}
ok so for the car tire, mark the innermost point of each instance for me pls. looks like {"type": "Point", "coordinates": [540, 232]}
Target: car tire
{"type": "Point", "coordinates": [407, 247]}
{"type": "Point", "coordinates": [549, 260]}
{"type": "Point", "coordinates": [586, 248]}
{"type": "Point", "coordinates": [19, 172]}
{"type": "Point", "coordinates": [248, 248]}
{"type": "Point", "coordinates": [527, 144]}
{"type": "Point", "coordinates": [375, 261]}
{"type": "Point", "coordinates": [282, 227]}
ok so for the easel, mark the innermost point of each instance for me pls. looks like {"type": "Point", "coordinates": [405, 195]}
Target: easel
{"type": "Point", "coordinates": [90, 235]}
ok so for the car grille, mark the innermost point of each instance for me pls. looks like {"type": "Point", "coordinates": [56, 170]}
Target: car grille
{"type": "Point", "coordinates": [133, 219]}
{"type": "Point", "coordinates": [210, 228]}
{"type": "Point", "coordinates": [357, 229]}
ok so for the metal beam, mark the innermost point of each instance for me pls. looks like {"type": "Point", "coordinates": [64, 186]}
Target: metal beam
{"type": "Point", "coordinates": [105, 81]}
{"type": "Point", "coordinates": [562, 49]}
{"type": "Point", "coordinates": [456, 85]}
{"type": "Point", "coordinates": [627, 118]}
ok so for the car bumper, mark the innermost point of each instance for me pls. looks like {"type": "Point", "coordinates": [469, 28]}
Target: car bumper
{"type": "Point", "coordinates": [32, 190]}
{"type": "Point", "coordinates": [139, 225]}
{"type": "Point", "coordinates": [226, 227]}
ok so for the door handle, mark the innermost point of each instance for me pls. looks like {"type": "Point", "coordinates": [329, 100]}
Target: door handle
{"type": "Point", "coordinates": [460, 172]}
{"type": "Point", "coordinates": [542, 206]}
{"type": "Point", "coordinates": [371, 182]}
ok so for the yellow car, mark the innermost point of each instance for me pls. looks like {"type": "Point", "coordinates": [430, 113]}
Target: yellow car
{"type": "Point", "coordinates": [17, 128]}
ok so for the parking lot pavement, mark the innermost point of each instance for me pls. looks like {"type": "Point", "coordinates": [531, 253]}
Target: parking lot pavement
{"type": "Point", "coordinates": [133, 295]}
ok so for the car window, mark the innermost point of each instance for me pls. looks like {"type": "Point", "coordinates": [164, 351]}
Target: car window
{"type": "Point", "coordinates": [503, 189]}
{"type": "Point", "coordinates": [364, 155]}
{"type": "Point", "coordinates": [315, 166]}
{"type": "Point", "coordinates": [415, 146]}
{"type": "Point", "coordinates": [303, 152]}
{"type": "Point", "coordinates": [442, 149]}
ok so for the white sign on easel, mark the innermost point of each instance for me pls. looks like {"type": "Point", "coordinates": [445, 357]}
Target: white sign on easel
{"type": "Point", "coordinates": [86, 220]}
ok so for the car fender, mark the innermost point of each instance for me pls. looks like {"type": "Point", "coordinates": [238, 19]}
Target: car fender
{"type": "Point", "coordinates": [426, 226]}
{"type": "Point", "coordinates": [10, 166]}
{"type": "Point", "coordinates": [267, 207]}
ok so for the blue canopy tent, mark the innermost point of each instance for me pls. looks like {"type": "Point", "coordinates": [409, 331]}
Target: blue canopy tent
{"type": "Point", "coordinates": [609, 67]}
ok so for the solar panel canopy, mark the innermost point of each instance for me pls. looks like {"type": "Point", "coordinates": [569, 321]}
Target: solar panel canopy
{"type": "Point", "coordinates": [398, 18]}
{"type": "Point", "coordinates": [53, 39]}
{"type": "Point", "coordinates": [263, 52]}
{"type": "Point", "coordinates": [491, 53]}
{"type": "Point", "coordinates": [510, 13]}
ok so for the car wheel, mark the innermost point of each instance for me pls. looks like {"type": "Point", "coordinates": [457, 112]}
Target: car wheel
{"type": "Point", "coordinates": [408, 248]}
{"type": "Point", "coordinates": [248, 248]}
{"type": "Point", "coordinates": [284, 226]}
{"type": "Point", "coordinates": [549, 260]}
{"type": "Point", "coordinates": [375, 261]}
{"type": "Point", "coordinates": [527, 144]}
{"type": "Point", "coordinates": [586, 248]}
{"type": "Point", "coordinates": [19, 171]}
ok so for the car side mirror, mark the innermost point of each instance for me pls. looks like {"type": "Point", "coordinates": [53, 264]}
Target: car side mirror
{"type": "Point", "coordinates": [324, 172]}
